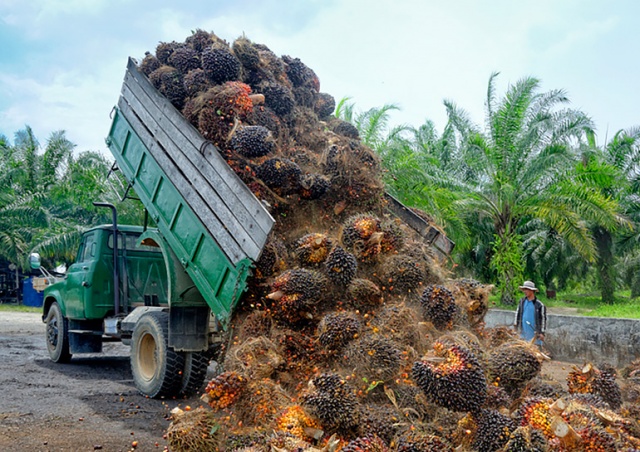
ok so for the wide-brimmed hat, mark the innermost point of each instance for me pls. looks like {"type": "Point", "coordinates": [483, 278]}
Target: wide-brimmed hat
{"type": "Point", "coordinates": [528, 285]}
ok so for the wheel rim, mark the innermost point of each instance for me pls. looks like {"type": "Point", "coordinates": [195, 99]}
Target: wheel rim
{"type": "Point", "coordinates": [147, 357]}
{"type": "Point", "coordinates": [52, 331]}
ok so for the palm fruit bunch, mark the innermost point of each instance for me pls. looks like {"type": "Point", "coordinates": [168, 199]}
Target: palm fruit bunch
{"type": "Point", "coordinates": [493, 430]}
{"type": "Point", "coordinates": [393, 236]}
{"type": "Point", "coordinates": [273, 258]}
{"type": "Point", "coordinates": [512, 365]}
{"type": "Point", "coordinates": [337, 329]}
{"type": "Point", "coordinates": [366, 444]}
{"type": "Point", "coordinates": [279, 174]}
{"type": "Point", "coordinates": [314, 186]}
{"type": "Point", "coordinates": [169, 81]}
{"type": "Point", "coordinates": [277, 97]}
{"type": "Point", "coordinates": [363, 234]}
{"type": "Point", "coordinates": [400, 323]}
{"type": "Point", "coordinates": [439, 307]}
{"type": "Point", "coordinates": [192, 430]}
{"type": "Point", "coordinates": [497, 397]}
{"type": "Point", "coordinates": [220, 64]}
{"type": "Point", "coordinates": [224, 390]}
{"type": "Point", "coordinates": [295, 421]}
{"type": "Point", "coordinates": [199, 40]}
{"type": "Point", "coordinates": [526, 439]}
{"type": "Point", "coordinates": [590, 380]}
{"type": "Point", "coordinates": [195, 81]}
{"type": "Point", "coordinates": [261, 402]}
{"type": "Point", "coordinates": [403, 274]}
{"type": "Point", "coordinates": [184, 59]}
{"type": "Point", "coordinates": [149, 64]}
{"type": "Point", "coordinates": [537, 414]}
{"type": "Point", "coordinates": [341, 266]}
{"type": "Point", "coordinates": [374, 357]}
{"type": "Point", "coordinates": [332, 401]}
{"type": "Point", "coordinates": [544, 388]}
{"type": "Point", "coordinates": [296, 292]}
{"type": "Point", "coordinates": [363, 294]}
{"type": "Point", "coordinates": [473, 297]}
{"type": "Point", "coordinates": [252, 141]}
{"type": "Point", "coordinates": [165, 49]}
{"type": "Point", "coordinates": [380, 420]}
{"type": "Point", "coordinates": [415, 442]}
{"type": "Point", "coordinates": [324, 106]}
{"type": "Point", "coordinates": [456, 382]}
{"type": "Point", "coordinates": [597, 439]}
{"type": "Point", "coordinates": [312, 249]}
{"type": "Point", "coordinates": [255, 357]}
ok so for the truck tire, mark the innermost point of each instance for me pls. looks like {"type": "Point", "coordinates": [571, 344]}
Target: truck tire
{"type": "Point", "coordinates": [195, 372]}
{"type": "Point", "coordinates": [156, 368]}
{"type": "Point", "coordinates": [57, 335]}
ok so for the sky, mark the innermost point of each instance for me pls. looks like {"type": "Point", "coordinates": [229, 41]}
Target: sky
{"type": "Point", "coordinates": [62, 62]}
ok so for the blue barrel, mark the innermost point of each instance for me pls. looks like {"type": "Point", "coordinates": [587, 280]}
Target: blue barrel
{"type": "Point", "coordinates": [31, 297]}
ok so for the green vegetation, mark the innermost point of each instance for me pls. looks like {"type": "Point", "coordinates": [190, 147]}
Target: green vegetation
{"type": "Point", "coordinates": [528, 195]}
{"type": "Point", "coordinates": [18, 308]}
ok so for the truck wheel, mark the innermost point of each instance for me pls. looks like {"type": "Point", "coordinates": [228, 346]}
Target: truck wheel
{"type": "Point", "coordinates": [57, 335]}
{"type": "Point", "coordinates": [195, 371]}
{"type": "Point", "coordinates": [156, 368]}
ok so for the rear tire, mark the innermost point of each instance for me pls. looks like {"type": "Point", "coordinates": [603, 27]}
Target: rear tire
{"type": "Point", "coordinates": [156, 368]}
{"type": "Point", "coordinates": [195, 372]}
{"type": "Point", "coordinates": [57, 335]}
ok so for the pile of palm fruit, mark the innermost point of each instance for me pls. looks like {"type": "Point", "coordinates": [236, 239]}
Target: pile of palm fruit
{"type": "Point", "coordinates": [352, 336]}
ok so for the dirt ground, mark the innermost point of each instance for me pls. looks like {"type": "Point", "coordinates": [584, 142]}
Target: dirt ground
{"type": "Point", "coordinates": [89, 404]}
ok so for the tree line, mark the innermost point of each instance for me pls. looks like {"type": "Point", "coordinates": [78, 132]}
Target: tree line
{"type": "Point", "coordinates": [530, 194]}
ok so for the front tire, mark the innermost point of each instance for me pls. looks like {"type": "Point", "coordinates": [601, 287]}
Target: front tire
{"type": "Point", "coordinates": [57, 335]}
{"type": "Point", "coordinates": [156, 368]}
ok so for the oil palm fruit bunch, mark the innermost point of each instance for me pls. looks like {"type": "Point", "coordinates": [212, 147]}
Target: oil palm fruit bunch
{"type": "Point", "coordinates": [337, 329]}
{"type": "Point", "coordinates": [403, 274]}
{"type": "Point", "coordinates": [439, 307]}
{"type": "Point", "coordinates": [374, 357]}
{"type": "Point", "coordinates": [366, 444]}
{"type": "Point", "coordinates": [312, 250]}
{"type": "Point", "coordinates": [295, 293]}
{"type": "Point", "coordinates": [537, 414]}
{"type": "Point", "coordinates": [184, 59]}
{"type": "Point", "coordinates": [313, 186]}
{"type": "Point", "coordinates": [165, 49]}
{"type": "Point", "coordinates": [590, 380]}
{"type": "Point", "coordinates": [513, 364]}
{"type": "Point", "coordinates": [253, 141]}
{"type": "Point", "coordinates": [220, 64]}
{"type": "Point", "coordinates": [195, 81]}
{"type": "Point", "coordinates": [332, 401]}
{"type": "Point", "coordinates": [364, 295]}
{"type": "Point", "coordinates": [296, 421]}
{"type": "Point", "coordinates": [325, 105]}
{"type": "Point", "coordinates": [363, 234]}
{"type": "Point", "coordinates": [341, 266]}
{"type": "Point", "coordinates": [493, 430]}
{"type": "Point", "coordinates": [452, 378]}
{"type": "Point", "coordinates": [277, 97]}
{"type": "Point", "coordinates": [280, 174]}
{"type": "Point", "coordinates": [169, 81]}
{"type": "Point", "coordinates": [526, 439]}
{"type": "Point", "coordinates": [224, 390]}
{"type": "Point", "coordinates": [192, 430]}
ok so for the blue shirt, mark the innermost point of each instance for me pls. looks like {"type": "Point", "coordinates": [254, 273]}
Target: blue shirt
{"type": "Point", "coordinates": [528, 320]}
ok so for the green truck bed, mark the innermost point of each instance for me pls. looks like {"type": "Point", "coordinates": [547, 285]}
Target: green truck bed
{"type": "Point", "coordinates": [210, 219]}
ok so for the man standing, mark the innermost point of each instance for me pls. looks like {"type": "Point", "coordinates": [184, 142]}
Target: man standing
{"type": "Point", "coordinates": [531, 315]}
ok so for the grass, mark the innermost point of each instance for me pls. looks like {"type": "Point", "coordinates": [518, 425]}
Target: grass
{"type": "Point", "coordinates": [586, 304]}
{"type": "Point", "coordinates": [18, 308]}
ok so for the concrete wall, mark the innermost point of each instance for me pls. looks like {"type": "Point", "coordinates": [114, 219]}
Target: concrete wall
{"type": "Point", "coordinates": [580, 339]}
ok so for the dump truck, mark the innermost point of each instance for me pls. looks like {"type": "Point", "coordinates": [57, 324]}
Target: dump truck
{"type": "Point", "coordinates": [169, 291]}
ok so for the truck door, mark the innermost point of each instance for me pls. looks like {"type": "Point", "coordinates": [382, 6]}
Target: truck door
{"type": "Point", "coordinates": [79, 277]}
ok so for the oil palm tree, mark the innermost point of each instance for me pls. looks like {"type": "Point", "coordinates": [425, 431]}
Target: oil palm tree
{"type": "Point", "coordinates": [522, 166]}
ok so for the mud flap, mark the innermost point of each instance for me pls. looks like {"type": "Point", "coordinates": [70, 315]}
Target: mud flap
{"type": "Point", "coordinates": [189, 328]}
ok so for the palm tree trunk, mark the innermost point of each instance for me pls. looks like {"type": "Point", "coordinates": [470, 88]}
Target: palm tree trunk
{"type": "Point", "coordinates": [604, 242]}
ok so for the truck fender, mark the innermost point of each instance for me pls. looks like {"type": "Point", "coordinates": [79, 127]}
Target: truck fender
{"type": "Point", "coordinates": [129, 322]}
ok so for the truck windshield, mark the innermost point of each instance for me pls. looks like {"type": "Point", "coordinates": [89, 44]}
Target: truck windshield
{"type": "Point", "coordinates": [129, 240]}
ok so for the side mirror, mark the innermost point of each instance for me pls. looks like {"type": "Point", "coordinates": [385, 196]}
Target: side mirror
{"type": "Point", "coordinates": [34, 261]}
